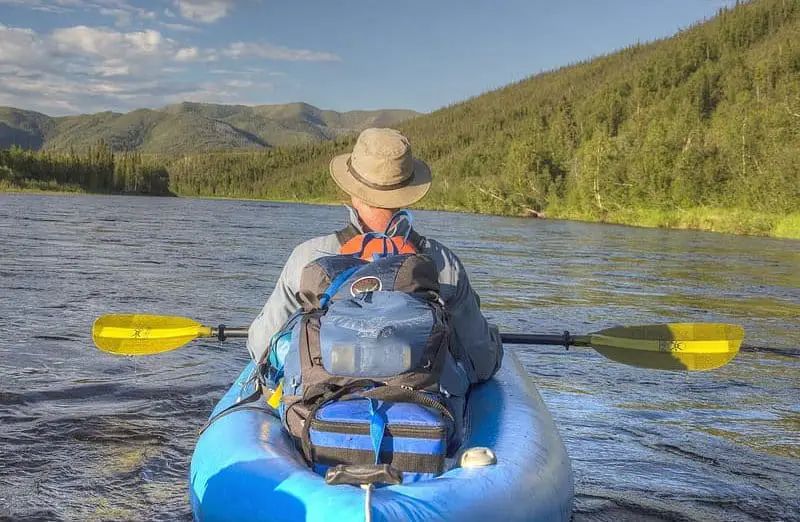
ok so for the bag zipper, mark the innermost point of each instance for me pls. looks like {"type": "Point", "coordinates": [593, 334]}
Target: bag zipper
{"type": "Point", "coordinates": [358, 428]}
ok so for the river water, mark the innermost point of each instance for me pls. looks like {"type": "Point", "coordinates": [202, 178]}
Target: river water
{"type": "Point", "coordinates": [85, 435]}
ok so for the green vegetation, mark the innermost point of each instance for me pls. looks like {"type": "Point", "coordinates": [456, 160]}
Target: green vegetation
{"type": "Point", "coordinates": [188, 128]}
{"type": "Point", "coordinates": [98, 170]}
{"type": "Point", "coordinates": [698, 131]}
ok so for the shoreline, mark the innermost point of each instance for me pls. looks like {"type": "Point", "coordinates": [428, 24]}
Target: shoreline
{"type": "Point", "coordinates": [702, 219]}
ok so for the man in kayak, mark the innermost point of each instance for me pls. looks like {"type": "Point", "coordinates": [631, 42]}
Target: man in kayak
{"type": "Point", "coordinates": [382, 176]}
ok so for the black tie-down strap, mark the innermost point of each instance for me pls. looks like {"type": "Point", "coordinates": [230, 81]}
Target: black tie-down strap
{"type": "Point", "coordinates": [400, 394]}
{"type": "Point", "coordinates": [358, 475]}
{"type": "Point", "coordinates": [361, 389]}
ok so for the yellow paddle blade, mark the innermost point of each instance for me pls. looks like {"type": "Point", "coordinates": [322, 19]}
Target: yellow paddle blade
{"type": "Point", "coordinates": [138, 334]}
{"type": "Point", "coordinates": [674, 346]}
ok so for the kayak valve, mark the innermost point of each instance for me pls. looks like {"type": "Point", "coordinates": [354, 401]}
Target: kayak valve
{"type": "Point", "coordinates": [477, 457]}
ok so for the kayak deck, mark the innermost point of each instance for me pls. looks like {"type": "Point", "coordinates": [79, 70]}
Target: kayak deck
{"type": "Point", "coordinates": [245, 466]}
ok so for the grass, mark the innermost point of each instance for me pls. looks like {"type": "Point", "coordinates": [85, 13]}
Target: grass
{"type": "Point", "coordinates": [788, 227]}
{"type": "Point", "coordinates": [711, 219]}
{"type": "Point", "coordinates": [39, 187]}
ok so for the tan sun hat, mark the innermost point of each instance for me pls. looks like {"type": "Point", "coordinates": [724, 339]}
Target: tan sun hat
{"type": "Point", "coordinates": [381, 170]}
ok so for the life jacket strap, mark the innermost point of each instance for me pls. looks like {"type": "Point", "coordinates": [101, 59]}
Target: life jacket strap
{"type": "Point", "coordinates": [350, 231]}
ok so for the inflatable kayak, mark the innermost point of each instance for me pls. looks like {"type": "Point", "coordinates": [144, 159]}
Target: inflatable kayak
{"type": "Point", "coordinates": [246, 467]}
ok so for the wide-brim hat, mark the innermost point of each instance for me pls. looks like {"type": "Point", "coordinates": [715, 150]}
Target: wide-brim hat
{"type": "Point", "coordinates": [381, 171]}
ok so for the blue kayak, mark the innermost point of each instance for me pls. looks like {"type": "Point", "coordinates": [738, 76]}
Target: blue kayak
{"type": "Point", "coordinates": [246, 467]}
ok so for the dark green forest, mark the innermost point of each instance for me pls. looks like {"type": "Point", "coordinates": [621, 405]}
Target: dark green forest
{"type": "Point", "coordinates": [96, 170]}
{"type": "Point", "coordinates": [701, 130]}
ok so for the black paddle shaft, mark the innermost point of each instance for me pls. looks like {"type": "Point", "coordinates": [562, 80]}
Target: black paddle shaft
{"type": "Point", "coordinates": [565, 339]}
{"type": "Point", "coordinates": [222, 333]}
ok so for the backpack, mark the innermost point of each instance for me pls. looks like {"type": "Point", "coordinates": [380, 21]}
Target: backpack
{"type": "Point", "coordinates": [364, 357]}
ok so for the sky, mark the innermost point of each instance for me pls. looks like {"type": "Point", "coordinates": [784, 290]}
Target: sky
{"type": "Point", "coordinates": [80, 56]}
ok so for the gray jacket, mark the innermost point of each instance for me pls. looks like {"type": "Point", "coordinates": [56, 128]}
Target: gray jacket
{"type": "Point", "coordinates": [478, 341]}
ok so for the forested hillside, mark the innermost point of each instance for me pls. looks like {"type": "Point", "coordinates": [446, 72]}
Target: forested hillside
{"type": "Point", "coordinates": [187, 128]}
{"type": "Point", "coordinates": [701, 130]}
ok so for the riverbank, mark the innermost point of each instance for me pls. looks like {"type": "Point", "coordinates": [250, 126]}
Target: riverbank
{"type": "Point", "coordinates": [709, 219]}
{"type": "Point", "coordinates": [40, 187]}
{"type": "Point", "coordinates": [53, 188]}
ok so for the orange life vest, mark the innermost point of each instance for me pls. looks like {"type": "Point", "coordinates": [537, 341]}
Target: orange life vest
{"type": "Point", "coordinates": [368, 248]}
{"type": "Point", "coordinates": [370, 245]}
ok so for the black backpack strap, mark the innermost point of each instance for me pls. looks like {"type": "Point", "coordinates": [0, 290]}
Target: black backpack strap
{"type": "Point", "coordinates": [417, 240]}
{"type": "Point", "coordinates": [346, 234]}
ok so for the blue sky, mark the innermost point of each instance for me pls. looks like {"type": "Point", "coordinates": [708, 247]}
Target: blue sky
{"type": "Point", "coordinates": [76, 56]}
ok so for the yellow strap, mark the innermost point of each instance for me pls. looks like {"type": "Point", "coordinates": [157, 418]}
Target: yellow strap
{"type": "Point", "coordinates": [275, 399]}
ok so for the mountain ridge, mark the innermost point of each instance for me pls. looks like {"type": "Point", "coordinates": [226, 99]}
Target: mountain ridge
{"type": "Point", "coordinates": [189, 127]}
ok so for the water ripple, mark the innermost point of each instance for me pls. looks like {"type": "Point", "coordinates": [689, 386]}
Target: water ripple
{"type": "Point", "coordinates": [91, 436]}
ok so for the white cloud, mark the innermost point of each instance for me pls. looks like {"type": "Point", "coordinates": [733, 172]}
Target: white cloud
{"type": "Point", "coordinates": [122, 12]}
{"type": "Point", "coordinates": [58, 94]}
{"type": "Point", "coordinates": [89, 69]}
{"type": "Point", "coordinates": [179, 27]}
{"type": "Point", "coordinates": [232, 92]}
{"type": "Point", "coordinates": [37, 5]}
{"type": "Point", "coordinates": [206, 11]}
{"type": "Point", "coordinates": [147, 15]}
{"type": "Point", "coordinates": [22, 47]}
{"type": "Point", "coordinates": [195, 54]}
{"type": "Point", "coordinates": [187, 54]}
{"type": "Point", "coordinates": [110, 45]}
{"type": "Point", "coordinates": [85, 67]}
{"type": "Point", "coordinates": [267, 51]}
{"type": "Point", "coordinates": [242, 84]}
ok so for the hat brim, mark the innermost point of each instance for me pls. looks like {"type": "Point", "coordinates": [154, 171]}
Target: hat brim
{"type": "Point", "coordinates": [395, 198]}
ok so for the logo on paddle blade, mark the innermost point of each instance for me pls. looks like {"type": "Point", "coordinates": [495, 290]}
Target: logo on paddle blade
{"type": "Point", "coordinates": [365, 284]}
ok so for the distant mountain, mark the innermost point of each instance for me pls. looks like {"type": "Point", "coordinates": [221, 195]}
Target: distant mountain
{"type": "Point", "coordinates": [189, 127]}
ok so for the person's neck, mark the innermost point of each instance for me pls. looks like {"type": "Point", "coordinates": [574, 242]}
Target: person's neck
{"type": "Point", "coordinates": [373, 219]}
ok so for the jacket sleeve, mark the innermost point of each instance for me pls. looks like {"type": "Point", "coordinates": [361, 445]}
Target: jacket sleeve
{"type": "Point", "coordinates": [280, 305]}
{"type": "Point", "coordinates": [474, 336]}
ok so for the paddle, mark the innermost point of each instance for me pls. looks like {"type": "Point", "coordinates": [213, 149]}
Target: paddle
{"type": "Point", "coordinates": [675, 346]}
{"type": "Point", "coordinates": [138, 334]}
